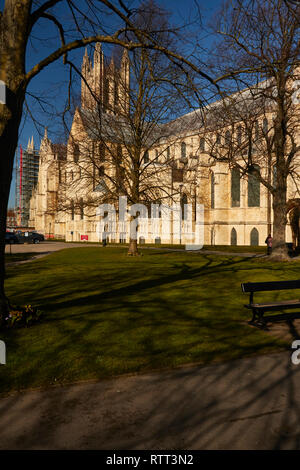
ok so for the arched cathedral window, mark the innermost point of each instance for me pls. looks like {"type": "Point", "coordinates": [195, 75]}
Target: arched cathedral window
{"type": "Point", "coordinates": [254, 237]}
{"type": "Point", "coordinates": [227, 138]}
{"type": "Point", "coordinates": [183, 202]}
{"type": "Point", "coordinates": [265, 126]}
{"type": "Point", "coordinates": [116, 93]}
{"type": "Point", "coordinates": [72, 209]}
{"type": "Point", "coordinates": [235, 187]}
{"type": "Point", "coordinates": [120, 172]}
{"type": "Point", "coordinates": [101, 152]}
{"type": "Point", "coordinates": [183, 150]}
{"type": "Point", "coordinates": [256, 131]}
{"type": "Point", "coordinates": [239, 135]}
{"type": "Point", "coordinates": [106, 93]}
{"type": "Point", "coordinates": [233, 237]}
{"type": "Point", "coordinates": [76, 153]}
{"type": "Point", "coordinates": [253, 189]}
{"type": "Point", "coordinates": [81, 209]}
{"type": "Point", "coordinates": [212, 190]}
{"type": "Point", "coordinates": [168, 153]}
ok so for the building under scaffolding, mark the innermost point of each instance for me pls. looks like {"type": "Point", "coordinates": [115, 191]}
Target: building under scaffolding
{"type": "Point", "coordinates": [27, 170]}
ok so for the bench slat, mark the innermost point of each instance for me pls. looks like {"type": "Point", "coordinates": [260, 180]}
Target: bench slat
{"type": "Point", "coordinates": [269, 286]}
{"type": "Point", "coordinates": [275, 305]}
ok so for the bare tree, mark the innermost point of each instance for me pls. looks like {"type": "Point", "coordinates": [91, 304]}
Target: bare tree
{"type": "Point", "coordinates": [122, 141]}
{"type": "Point", "coordinates": [255, 125]}
{"type": "Point", "coordinates": [106, 21]}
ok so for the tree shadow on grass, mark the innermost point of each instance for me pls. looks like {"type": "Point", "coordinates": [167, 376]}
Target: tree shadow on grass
{"type": "Point", "coordinates": [183, 273]}
{"type": "Point", "coordinates": [233, 405]}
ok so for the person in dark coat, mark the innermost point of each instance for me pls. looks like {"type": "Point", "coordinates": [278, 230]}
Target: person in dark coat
{"type": "Point", "coordinates": [269, 241]}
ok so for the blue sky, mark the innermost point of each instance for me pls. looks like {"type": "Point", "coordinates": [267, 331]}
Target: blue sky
{"type": "Point", "coordinates": [51, 84]}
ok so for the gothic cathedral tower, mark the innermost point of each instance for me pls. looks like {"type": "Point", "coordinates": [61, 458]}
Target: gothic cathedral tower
{"type": "Point", "coordinates": [105, 86]}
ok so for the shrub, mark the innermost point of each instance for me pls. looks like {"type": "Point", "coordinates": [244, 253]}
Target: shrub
{"type": "Point", "coordinates": [21, 316]}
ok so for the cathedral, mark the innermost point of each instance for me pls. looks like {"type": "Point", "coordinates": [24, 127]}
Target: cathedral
{"type": "Point", "coordinates": [74, 178]}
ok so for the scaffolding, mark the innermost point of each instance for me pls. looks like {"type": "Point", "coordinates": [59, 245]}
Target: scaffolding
{"type": "Point", "coordinates": [27, 170]}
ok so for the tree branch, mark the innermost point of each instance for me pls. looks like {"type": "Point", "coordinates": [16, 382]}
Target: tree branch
{"type": "Point", "coordinates": [36, 15]}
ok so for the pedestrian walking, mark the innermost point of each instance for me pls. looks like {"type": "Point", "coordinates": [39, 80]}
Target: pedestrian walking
{"type": "Point", "coordinates": [269, 241]}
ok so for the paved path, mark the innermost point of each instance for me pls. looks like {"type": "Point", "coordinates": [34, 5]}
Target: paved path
{"type": "Point", "coordinates": [44, 247]}
{"type": "Point", "coordinates": [252, 403]}
{"type": "Point", "coordinates": [40, 250]}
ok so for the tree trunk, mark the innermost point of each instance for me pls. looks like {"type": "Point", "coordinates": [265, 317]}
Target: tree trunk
{"type": "Point", "coordinates": [279, 249]}
{"type": "Point", "coordinates": [133, 249]}
{"type": "Point", "coordinates": [14, 30]}
{"type": "Point", "coordinates": [3, 212]}
{"type": "Point", "coordinates": [8, 142]}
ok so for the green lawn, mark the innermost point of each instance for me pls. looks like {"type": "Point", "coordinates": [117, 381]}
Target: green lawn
{"type": "Point", "coordinates": [226, 248]}
{"type": "Point", "coordinates": [236, 249]}
{"type": "Point", "coordinates": [107, 313]}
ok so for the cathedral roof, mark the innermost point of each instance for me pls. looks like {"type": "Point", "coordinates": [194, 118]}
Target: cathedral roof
{"type": "Point", "coordinates": [241, 103]}
{"type": "Point", "coordinates": [117, 129]}
{"type": "Point", "coordinates": [112, 128]}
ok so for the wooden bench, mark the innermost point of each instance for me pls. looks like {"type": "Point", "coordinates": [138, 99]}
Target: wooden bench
{"type": "Point", "coordinates": [258, 309]}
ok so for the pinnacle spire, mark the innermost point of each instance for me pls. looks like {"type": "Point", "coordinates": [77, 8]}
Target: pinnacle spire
{"type": "Point", "coordinates": [86, 60]}
{"type": "Point", "coordinates": [125, 54]}
{"type": "Point", "coordinates": [98, 47]}
{"type": "Point", "coordinates": [112, 64]}
{"type": "Point", "coordinates": [30, 145]}
{"type": "Point", "coordinates": [98, 52]}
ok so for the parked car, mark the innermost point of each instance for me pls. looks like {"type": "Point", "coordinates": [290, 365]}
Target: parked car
{"type": "Point", "coordinates": [11, 238]}
{"type": "Point", "coordinates": [39, 236]}
{"type": "Point", "coordinates": [30, 237]}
